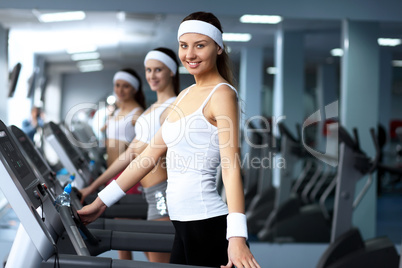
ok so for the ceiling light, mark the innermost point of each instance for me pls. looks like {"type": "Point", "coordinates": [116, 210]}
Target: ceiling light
{"type": "Point", "coordinates": [236, 37]}
{"type": "Point", "coordinates": [85, 56]}
{"type": "Point", "coordinates": [61, 16]}
{"type": "Point", "coordinates": [81, 49]}
{"type": "Point", "coordinates": [337, 52]}
{"type": "Point", "coordinates": [271, 70]}
{"type": "Point", "coordinates": [390, 42]}
{"type": "Point", "coordinates": [90, 65]}
{"type": "Point", "coordinates": [266, 19]}
{"type": "Point", "coordinates": [397, 63]}
{"type": "Point", "coordinates": [91, 68]}
{"type": "Point", "coordinates": [89, 62]}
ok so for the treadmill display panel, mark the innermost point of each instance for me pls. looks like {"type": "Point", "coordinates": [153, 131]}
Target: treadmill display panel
{"type": "Point", "coordinates": [12, 156]}
{"type": "Point", "coordinates": [33, 155]}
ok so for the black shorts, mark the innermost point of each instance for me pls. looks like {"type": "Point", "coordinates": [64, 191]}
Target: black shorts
{"type": "Point", "coordinates": [200, 242]}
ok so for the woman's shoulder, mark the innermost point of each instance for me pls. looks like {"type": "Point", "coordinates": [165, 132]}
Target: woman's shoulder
{"type": "Point", "coordinates": [136, 113]}
{"type": "Point", "coordinates": [181, 94]}
{"type": "Point", "coordinates": [136, 109]}
{"type": "Point", "coordinates": [224, 89]}
{"type": "Point", "coordinates": [184, 91]}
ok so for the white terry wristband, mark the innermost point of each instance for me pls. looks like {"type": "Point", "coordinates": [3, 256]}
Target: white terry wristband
{"type": "Point", "coordinates": [111, 194]}
{"type": "Point", "coordinates": [236, 225]}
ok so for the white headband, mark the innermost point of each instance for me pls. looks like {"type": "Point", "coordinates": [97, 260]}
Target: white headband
{"type": "Point", "coordinates": [131, 79]}
{"type": "Point", "coordinates": [200, 27]}
{"type": "Point", "coordinates": [162, 57]}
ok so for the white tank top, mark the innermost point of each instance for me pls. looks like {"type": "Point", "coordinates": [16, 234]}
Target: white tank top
{"type": "Point", "coordinates": [121, 127]}
{"type": "Point", "coordinates": [192, 160]}
{"type": "Point", "coordinates": [149, 123]}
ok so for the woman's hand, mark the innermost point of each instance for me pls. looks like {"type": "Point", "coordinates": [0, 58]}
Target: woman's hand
{"type": "Point", "coordinates": [92, 211]}
{"type": "Point", "coordinates": [239, 254]}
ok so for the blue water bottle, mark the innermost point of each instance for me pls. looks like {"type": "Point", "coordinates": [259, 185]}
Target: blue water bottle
{"type": "Point", "coordinates": [64, 198]}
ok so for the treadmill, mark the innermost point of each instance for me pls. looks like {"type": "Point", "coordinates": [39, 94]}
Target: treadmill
{"type": "Point", "coordinates": [74, 162]}
{"type": "Point", "coordinates": [85, 139]}
{"type": "Point", "coordinates": [259, 190]}
{"type": "Point", "coordinates": [293, 219]}
{"type": "Point", "coordinates": [47, 238]}
{"type": "Point", "coordinates": [69, 156]}
{"type": "Point", "coordinates": [347, 248]}
{"type": "Point", "coordinates": [125, 210]}
{"type": "Point", "coordinates": [271, 199]}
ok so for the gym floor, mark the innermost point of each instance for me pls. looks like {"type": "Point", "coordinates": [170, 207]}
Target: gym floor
{"type": "Point", "coordinates": [389, 223]}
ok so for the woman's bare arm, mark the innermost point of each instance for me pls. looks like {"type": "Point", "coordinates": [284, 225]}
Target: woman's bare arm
{"type": "Point", "coordinates": [143, 163]}
{"type": "Point", "coordinates": [134, 149]}
{"type": "Point", "coordinates": [226, 113]}
{"type": "Point", "coordinates": [136, 170]}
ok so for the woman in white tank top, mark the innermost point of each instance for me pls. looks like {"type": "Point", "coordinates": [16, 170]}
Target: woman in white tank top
{"type": "Point", "coordinates": [201, 131]}
{"type": "Point", "coordinates": [131, 103]}
{"type": "Point", "coordinates": [161, 71]}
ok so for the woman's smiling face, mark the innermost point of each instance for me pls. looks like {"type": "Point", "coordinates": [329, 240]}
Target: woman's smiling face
{"type": "Point", "coordinates": [158, 75]}
{"type": "Point", "coordinates": [124, 90]}
{"type": "Point", "coordinates": [198, 53]}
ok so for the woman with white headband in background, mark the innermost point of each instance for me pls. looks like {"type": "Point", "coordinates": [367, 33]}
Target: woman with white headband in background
{"type": "Point", "coordinates": [120, 131]}
{"type": "Point", "coordinates": [161, 72]}
{"type": "Point", "coordinates": [201, 132]}
{"type": "Point", "coordinates": [131, 103]}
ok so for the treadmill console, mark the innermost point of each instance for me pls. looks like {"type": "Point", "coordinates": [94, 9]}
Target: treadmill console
{"type": "Point", "coordinates": [13, 159]}
{"type": "Point", "coordinates": [69, 156]}
{"type": "Point", "coordinates": [62, 138]}
{"type": "Point", "coordinates": [29, 149]}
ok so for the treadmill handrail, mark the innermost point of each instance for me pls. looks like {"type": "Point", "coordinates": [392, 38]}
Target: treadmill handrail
{"type": "Point", "coordinates": [73, 232]}
{"type": "Point", "coordinates": [374, 165]}
{"type": "Point", "coordinates": [285, 131]}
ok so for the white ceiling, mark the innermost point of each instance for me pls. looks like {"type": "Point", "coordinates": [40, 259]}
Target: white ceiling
{"type": "Point", "coordinates": [124, 42]}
